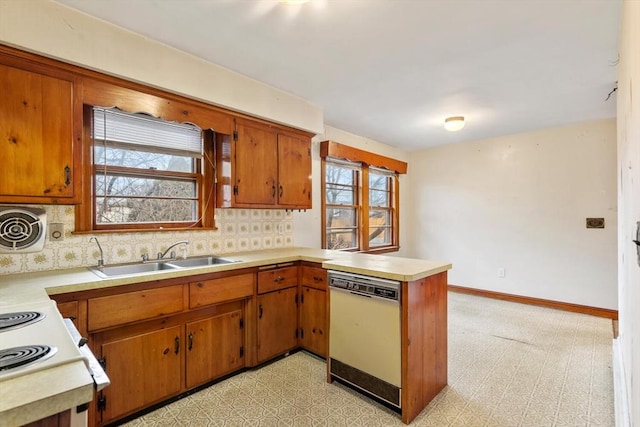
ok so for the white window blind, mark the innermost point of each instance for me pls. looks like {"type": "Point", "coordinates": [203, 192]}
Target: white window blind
{"type": "Point", "coordinates": [117, 128]}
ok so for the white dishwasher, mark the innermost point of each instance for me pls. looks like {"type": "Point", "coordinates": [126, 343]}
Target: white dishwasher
{"type": "Point", "coordinates": [364, 334]}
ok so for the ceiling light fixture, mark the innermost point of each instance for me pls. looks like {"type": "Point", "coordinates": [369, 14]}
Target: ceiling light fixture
{"type": "Point", "coordinates": [294, 1]}
{"type": "Point", "coordinates": [454, 123]}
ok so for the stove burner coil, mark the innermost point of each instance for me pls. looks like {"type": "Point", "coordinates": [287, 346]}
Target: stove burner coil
{"type": "Point", "coordinates": [16, 357]}
{"type": "Point", "coordinates": [18, 319]}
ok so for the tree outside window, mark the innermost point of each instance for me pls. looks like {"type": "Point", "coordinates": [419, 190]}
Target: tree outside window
{"type": "Point", "coordinates": [359, 206]}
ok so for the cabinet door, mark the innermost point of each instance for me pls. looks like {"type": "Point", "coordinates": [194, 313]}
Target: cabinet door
{"type": "Point", "coordinates": [256, 165]}
{"type": "Point", "coordinates": [277, 323]}
{"type": "Point", "coordinates": [313, 320]}
{"type": "Point", "coordinates": [37, 134]}
{"type": "Point", "coordinates": [294, 171]}
{"type": "Point", "coordinates": [143, 369]}
{"type": "Point", "coordinates": [214, 347]}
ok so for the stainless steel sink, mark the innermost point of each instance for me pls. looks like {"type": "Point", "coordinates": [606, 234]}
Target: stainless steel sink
{"type": "Point", "coordinates": [200, 261]}
{"type": "Point", "coordinates": [131, 268]}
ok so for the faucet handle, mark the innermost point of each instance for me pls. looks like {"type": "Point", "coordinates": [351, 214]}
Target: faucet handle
{"type": "Point", "coordinates": [145, 257]}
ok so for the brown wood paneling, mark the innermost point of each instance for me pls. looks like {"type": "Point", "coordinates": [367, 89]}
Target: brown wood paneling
{"type": "Point", "coordinates": [38, 133]}
{"type": "Point", "coordinates": [277, 323]}
{"type": "Point", "coordinates": [294, 171]}
{"type": "Point", "coordinates": [115, 310]}
{"type": "Point", "coordinates": [69, 309]}
{"type": "Point", "coordinates": [313, 320]}
{"type": "Point", "coordinates": [143, 369]}
{"type": "Point", "coordinates": [566, 306]}
{"type": "Point", "coordinates": [214, 291]}
{"type": "Point", "coordinates": [314, 277]}
{"type": "Point", "coordinates": [341, 151]}
{"type": "Point", "coordinates": [133, 100]}
{"type": "Point", "coordinates": [213, 347]}
{"type": "Point", "coordinates": [424, 342]}
{"type": "Point", "coordinates": [280, 278]}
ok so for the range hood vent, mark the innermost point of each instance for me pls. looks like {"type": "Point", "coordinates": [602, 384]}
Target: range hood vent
{"type": "Point", "coordinates": [22, 229]}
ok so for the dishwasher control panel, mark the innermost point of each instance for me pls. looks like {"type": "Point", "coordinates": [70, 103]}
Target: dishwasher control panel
{"type": "Point", "coordinates": [365, 285]}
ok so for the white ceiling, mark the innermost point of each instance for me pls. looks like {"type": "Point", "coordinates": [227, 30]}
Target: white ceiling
{"type": "Point", "coordinates": [392, 70]}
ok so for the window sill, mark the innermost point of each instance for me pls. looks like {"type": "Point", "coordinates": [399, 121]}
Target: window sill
{"type": "Point", "coordinates": [145, 230]}
{"type": "Point", "coordinates": [386, 249]}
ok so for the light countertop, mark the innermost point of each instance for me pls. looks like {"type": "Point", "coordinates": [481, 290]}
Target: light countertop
{"type": "Point", "coordinates": [74, 386]}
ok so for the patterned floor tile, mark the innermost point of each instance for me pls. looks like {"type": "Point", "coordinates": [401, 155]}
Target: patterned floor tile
{"type": "Point", "coordinates": [509, 365]}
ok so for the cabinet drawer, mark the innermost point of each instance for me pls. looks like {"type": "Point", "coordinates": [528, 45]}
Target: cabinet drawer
{"type": "Point", "coordinates": [279, 278]}
{"type": "Point", "coordinates": [314, 277]}
{"type": "Point", "coordinates": [68, 309]}
{"type": "Point", "coordinates": [134, 306]}
{"type": "Point", "coordinates": [215, 291]}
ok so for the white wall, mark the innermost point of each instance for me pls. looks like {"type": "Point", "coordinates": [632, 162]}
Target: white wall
{"type": "Point", "coordinates": [628, 174]}
{"type": "Point", "coordinates": [519, 202]}
{"type": "Point", "coordinates": [53, 30]}
{"type": "Point", "coordinates": [308, 225]}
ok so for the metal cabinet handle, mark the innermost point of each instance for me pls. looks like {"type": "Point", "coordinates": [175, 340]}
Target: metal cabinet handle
{"type": "Point", "coordinates": [273, 190]}
{"type": "Point", "coordinates": [281, 191]}
{"type": "Point", "coordinates": [317, 279]}
{"type": "Point", "coordinates": [190, 340]}
{"type": "Point", "coordinates": [67, 175]}
{"type": "Point", "coordinates": [260, 311]}
{"type": "Point", "coordinates": [279, 279]}
{"type": "Point", "coordinates": [177, 345]}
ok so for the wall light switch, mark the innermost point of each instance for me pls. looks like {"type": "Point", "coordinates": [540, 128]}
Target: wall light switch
{"type": "Point", "coordinates": [56, 231]}
{"type": "Point", "coordinates": [501, 272]}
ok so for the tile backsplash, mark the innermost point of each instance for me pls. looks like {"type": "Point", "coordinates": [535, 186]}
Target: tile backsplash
{"type": "Point", "coordinates": [238, 230]}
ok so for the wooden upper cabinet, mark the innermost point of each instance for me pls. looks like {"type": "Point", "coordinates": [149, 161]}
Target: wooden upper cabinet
{"type": "Point", "coordinates": [38, 134]}
{"type": "Point", "coordinates": [263, 166]}
{"type": "Point", "coordinates": [256, 165]}
{"type": "Point", "coordinates": [294, 171]}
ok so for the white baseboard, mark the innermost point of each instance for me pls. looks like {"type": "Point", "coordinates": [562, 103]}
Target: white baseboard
{"type": "Point", "coordinates": [620, 397]}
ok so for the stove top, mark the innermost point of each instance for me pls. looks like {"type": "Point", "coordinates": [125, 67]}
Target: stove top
{"type": "Point", "coordinates": [19, 319]}
{"type": "Point", "coordinates": [33, 337]}
{"type": "Point", "coordinates": [17, 357]}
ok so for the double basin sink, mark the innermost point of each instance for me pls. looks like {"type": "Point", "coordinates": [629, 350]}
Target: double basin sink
{"type": "Point", "coordinates": [135, 268]}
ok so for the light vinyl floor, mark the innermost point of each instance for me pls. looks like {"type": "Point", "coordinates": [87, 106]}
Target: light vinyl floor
{"type": "Point", "coordinates": [509, 365]}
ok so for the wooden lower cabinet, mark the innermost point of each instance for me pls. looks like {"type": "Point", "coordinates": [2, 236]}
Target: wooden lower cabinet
{"type": "Point", "coordinates": [277, 323]}
{"type": "Point", "coordinates": [313, 320]}
{"type": "Point", "coordinates": [215, 347]}
{"type": "Point", "coordinates": [313, 309]}
{"type": "Point", "coordinates": [143, 369]}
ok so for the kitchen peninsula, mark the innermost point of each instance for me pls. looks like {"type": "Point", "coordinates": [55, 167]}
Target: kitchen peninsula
{"type": "Point", "coordinates": [183, 305]}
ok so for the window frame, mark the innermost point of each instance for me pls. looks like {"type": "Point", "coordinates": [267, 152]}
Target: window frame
{"type": "Point", "coordinates": [335, 153]}
{"type": "Point", "coordinates": [86, 221]}
{"type": "Point", "coordinates": [356, 206]}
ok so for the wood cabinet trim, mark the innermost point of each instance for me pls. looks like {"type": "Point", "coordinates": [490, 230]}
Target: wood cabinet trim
{"type": "Point", "coordinates": [341, 151]}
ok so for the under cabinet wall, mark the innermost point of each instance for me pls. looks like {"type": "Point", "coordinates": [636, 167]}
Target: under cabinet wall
{"type": "Point", "coordinates": [238, 230]}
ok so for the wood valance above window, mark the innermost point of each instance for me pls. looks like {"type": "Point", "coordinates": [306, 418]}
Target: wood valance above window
{"type": "Point", "coordinates": [336, 150]}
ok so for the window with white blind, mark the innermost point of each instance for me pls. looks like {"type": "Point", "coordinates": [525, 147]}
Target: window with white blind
{"type": "Point", "coordinates": [147, 172]}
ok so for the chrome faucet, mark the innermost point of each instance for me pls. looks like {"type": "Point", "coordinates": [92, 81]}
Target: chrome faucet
{"type": "Point", "coordinates": [101, 260]}
{"type": "Point", "coordinates": [172, 255]}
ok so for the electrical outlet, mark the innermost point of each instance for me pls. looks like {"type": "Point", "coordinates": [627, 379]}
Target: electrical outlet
{"type": "Point", "coordinates": [280, 228]}
{"type": "Point", "coordinates": [595, 222]}
{"type": "Point", "coordinates": [501, 272]}
{"type": "Point", "coordinates": [56, 231]}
